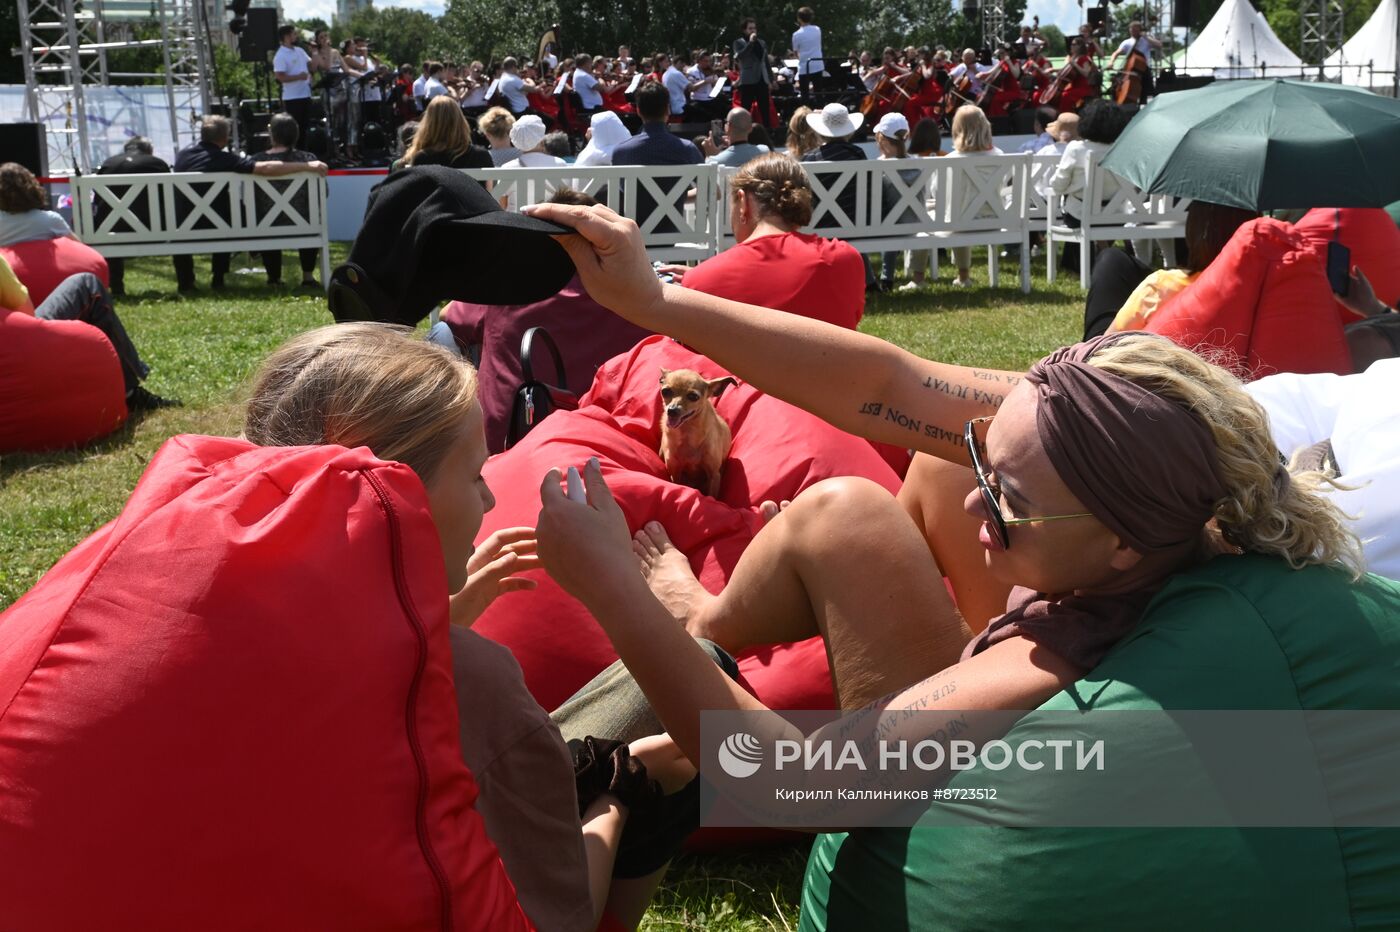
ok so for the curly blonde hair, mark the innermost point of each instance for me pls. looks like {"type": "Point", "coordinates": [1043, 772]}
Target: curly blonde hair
{"type": "Point", "coordinates": [1268, 509]}
{"type": "Point", "coordinates": [363, 384]}
{"type": "Point", "coordinates": [801, 138]}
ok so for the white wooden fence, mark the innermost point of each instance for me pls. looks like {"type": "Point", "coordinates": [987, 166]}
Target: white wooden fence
{"type": "Point", "coordinates": [683, 211]}
{"type": "Point", "coordinates": [189, 213]}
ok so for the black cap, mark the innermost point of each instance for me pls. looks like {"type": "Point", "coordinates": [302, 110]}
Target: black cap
{"type": "Point", "coordinates": [430, 235]}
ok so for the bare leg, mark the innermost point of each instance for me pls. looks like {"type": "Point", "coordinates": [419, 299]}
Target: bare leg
{"type": "Point", "coordinates": [844, 561]}
{"type": "Point", "coordinates": [933, 494]}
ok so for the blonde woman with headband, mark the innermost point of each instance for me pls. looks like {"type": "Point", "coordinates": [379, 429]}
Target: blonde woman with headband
{"type": "Point", "coordinates": [1122, 483]}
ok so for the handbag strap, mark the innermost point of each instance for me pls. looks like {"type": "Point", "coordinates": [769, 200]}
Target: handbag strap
{"type": "Point", "coordinates": [527, 347]}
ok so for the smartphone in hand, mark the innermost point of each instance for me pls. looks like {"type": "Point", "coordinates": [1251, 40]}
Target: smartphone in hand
{"type": "Point", "coordinates": [717, 133]}
{"type": "Point", "coordinates": [1339, 268]}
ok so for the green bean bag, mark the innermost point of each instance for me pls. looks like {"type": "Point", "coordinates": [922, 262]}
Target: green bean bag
{"type": "Point", "coordinates": [1238, 633]}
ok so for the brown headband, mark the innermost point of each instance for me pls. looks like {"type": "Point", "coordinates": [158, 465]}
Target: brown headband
{"type": "Point", "coordinates": [1143, 465]}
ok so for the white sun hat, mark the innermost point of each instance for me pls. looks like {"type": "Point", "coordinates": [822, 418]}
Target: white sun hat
{"type": "Point", "coordinates": [834, 121]}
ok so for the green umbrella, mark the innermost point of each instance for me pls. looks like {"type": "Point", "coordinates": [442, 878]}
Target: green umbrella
{"type": "Point", "coordinates": [1266, 145]}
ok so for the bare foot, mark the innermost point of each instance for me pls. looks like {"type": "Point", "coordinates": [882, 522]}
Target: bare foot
{"type": "Point", "coordinates": [668, 573]}
{"type": "Point", "coordinates": [771, 509]}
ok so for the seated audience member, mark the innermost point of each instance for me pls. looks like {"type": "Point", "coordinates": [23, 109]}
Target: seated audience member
{"type": "Point", "coordinates": [1213, 516]}
{"type": "Point", "coordinates": [136, 158]}
{"type": "Point", "coordinates": [926, 139]}
{"type": "Point", "coordinates": [495, 125]}
{"type": "Point", "coordinates": [1044, 118]}
{"type": "Point", "coordinates": [1345, 426]}
{"type": "Point", "coordinates": [211, 154]}
{"type": "Point", "coordinates": [655, 144]}
{"type": "Point", "coordinates": [443, 138]}
{"type": "Point", "coordinates": [833, 126]}
{"type": "Point", "coordinates": [972, 135]}
{"type": "Point", "coordinates": [557, 144]}
{"type": "Point", "coordinates": [528, 135]}
{"type": "Point", "coordinates": [800, 137]}
{"type": "Point", "coordinates": [1101, 122]}
{"type": "Point", "coordinates": [407, 400]}
{"type": "Point", "coordinates": [1377, 335]}
{"type": "Point", "coordinates": [737, 128]}
{"type": "Point", "coordinates": [1063, 131]}
{"type": "Point", "coordinates": [406, 133]}
{"type": "Point", "coordinates": [892, 140]}
{"type": "Point", "coordinates": [24, 208]}
{"type": "Point", "coordinates": [1124, 291]}
{"type": "Point", "coordinates": [283, 132]}
{"type": "Point", "coordinates": [605, 133]}
{"type": "Point", "coordinates": [84, 297]}
{"type": "Point", "coordinates": [773, 263]}
{"type": "Point", "coordinates": [587, 336]}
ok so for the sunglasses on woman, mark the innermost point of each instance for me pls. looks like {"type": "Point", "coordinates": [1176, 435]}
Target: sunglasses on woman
{"type": "Point", "coordinates": [991, 498]}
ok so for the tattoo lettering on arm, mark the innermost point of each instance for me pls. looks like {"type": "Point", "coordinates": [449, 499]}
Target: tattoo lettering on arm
{"type": "Point", "coordinates": [899, 418]}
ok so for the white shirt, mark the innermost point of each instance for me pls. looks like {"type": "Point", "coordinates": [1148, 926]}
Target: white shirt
{"type": "Point", "coordinates": [434, 88]}
{"type": "Point", "coordinates": [807, 43]}
{"type": "Point", "coordinates": [512, 88]}
{"type": "Point", "coordinates": [551, 60]}
{"type": "Point", "coordinates": [1143, 46]}
{"type": "Point", "coordinates": [586, 86]}
{"type": "Point", "coordinates": [476, 97]}
{"type": "Point", "coordinates": [676, 83]}
{"type": "Point", "coordinates": [530, 160]}
{"type": "Point", "coordinates": [371, 82]}
{"type": "Point", "coordinates": [1359, 414]}
{"type": "Point", "coordinates": [975, 72]}
{"type": "Point", "coordinates": [693, 74]}
{"type": "Point", "coordinates": [419, 87]}
{"type": "Point", "coordinates": [1070, 175]}
{"type": "Point", "coordinates": [291, 60]}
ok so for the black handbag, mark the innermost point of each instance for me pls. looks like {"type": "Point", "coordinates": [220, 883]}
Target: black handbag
{"type": "Point", "coordinates": [536, 400]}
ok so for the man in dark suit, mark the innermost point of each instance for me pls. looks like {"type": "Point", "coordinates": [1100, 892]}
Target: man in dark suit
{"type": "Point", "coordinates": [655, 145]}
{"type": "Point", "coordinates": [136, 158]}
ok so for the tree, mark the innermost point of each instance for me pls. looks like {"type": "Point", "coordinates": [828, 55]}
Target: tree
{"type": "Point", "coordinates": [1055, 43]}
{"type": "Point", "coordinates": [398, 35]}
{"type": "Point", "coordinates": [489, 29]}
{"type": "Point", "coordinates": [313, 25]}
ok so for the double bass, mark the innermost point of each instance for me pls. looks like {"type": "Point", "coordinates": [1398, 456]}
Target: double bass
{"type": "Point", "coordinates": [1127, 84]}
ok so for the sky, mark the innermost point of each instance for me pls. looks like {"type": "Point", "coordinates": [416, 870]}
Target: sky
{"type": "Point", "coordinates": [1067, 14]}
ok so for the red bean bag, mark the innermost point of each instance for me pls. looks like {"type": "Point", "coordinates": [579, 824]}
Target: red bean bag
{"type": "Point", "coordinates": [41, 265]}
{"type": "Point", "coordinates": [1372, 237]}
{"type": "Point", "coordinates": [233, 708]}
{"type": "Point", "coordinates": [1263, 306]}
{"type": "Point", "coordinates": [60, 384]}
{"type": "Point", "coordinates": [778, 450]}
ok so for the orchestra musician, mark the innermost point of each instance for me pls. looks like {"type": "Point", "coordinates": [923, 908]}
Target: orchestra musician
{"type": "Point", "coordinates": [1138, 48]}
{"type": "Point", "coordinates": [1002, 91]}
{"type": "Point", "coordinates": [1075, 83]}
{"type": "Point", "coordinates": [890, 92]}
{"type": "Point", "coordinates": [927, 98]}
{"type": "Point", "coordinates": [964, 82]}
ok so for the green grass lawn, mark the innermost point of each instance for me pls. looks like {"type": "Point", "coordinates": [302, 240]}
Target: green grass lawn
{"type": "Point", "coordinates": [203, 349]}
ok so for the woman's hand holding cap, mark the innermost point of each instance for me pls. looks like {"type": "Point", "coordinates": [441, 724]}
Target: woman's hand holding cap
{"type": "Point", "coordinates": [609, 255]}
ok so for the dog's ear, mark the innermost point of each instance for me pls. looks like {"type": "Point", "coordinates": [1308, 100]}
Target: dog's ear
{"type": "Point", "coordinates": [717, 386]}
{"type": "Point", "coordinates": [664, 372]}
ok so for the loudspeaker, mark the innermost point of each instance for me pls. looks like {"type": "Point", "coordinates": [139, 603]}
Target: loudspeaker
{"type": "Point", "coordinates": [1181, 13]}
{"type": "Point", "coordinates": [26, 144]}
{"type": "Point", "coordinates": [259, 37]}
{"type": "Point", "coordinates": [1098, 17]}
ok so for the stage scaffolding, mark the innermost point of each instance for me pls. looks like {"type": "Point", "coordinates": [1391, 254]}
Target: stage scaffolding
{"type": "Point", "coordinates": [64, 45]}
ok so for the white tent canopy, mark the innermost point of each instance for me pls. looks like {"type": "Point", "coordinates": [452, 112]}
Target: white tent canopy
{"type": "Point", "coordinates": [1238, 43]}
{"type": "Point", "coordinates": [1368, 58]}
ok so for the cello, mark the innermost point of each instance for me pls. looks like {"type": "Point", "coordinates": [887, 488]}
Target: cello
{"type": "Point", "coordinates": [1056, 87]}
{"type": "Point", "coordinates": [884, 96]}
{"type": "Point", "coordinates": [1127, 84]}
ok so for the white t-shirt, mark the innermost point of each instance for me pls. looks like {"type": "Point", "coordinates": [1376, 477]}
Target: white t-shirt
{"type": "Point", "coordinates": [676, 83]}
{"type": "Point", "coordinates": [586, 86]}
{"type": "Point", "coordinates": [372, 92]}
{"type": "Point", "coordinates": [293, 60]}
{"type": "Point", "coordinates": [434, 88]}
{"type": "Point", "coordinates": [693, 74]}
{"type": "Point", "coordinates": [807, 43]}
{"type": "Point", "coordinates": [512, 88]}
{"type": "Point", "coordinates": [419, 89]}
{"type": "Point", "coordinates": [1143, 46]}
{"type": "Point", "coordinates": [1358, 414]}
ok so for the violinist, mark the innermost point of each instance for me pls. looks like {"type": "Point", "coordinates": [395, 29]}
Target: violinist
{"type": "Point", "coordinates": [1142, 45]}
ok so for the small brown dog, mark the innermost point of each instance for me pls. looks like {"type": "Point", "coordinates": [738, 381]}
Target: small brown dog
{"type": "Point", "coordinates": [694, 438]}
